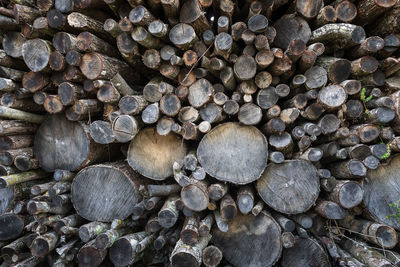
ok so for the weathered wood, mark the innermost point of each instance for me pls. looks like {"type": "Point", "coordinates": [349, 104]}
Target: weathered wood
{"type": "Point", "coordinates": [123, 251]}
{"type": "Point", "coordinates": [98, 66]}
{"type": "Point", "coordinates": [332, 97]}
{"type": "Point", "coordinates": [168, 149]}
{"type": "Point", "coordinates": [285, 34]}
{"type": "Point", "coordinates": [305, 251]}
{"type": "Point", "coordinates": [235, 243]}
{"type": "Point", "coordinates": [210, 149]}
{"type": "Point", "coordinates": [368, 11]}
{"type": "Point", "coordinates": [349, 34]}
{"type": "Point", "coordinates": [306, 180]}
{"type": "Point", "coordinates": [168, 214]}
{"type": "Point", "coordinates": [380, 188]}
{"type": "Point", "coordinates": [212, 256]}
{"type": "Point", "coordinates": [90, 255]}
{"type": "Point", "coordinates": [338, 69]}
{"type": "Point", "coordinates": [84, 192]}
{"type": "Point", "coordinates": [69, 153]}
{"type": "Point", "coordinates": [11, 226]}
{"type": "Point", "coordinates": [364, 253]}
{"type": "Point", "coordinates": [195, 195]}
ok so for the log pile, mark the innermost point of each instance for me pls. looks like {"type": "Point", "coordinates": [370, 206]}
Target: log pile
{"type": "Point", "coordinates": [199, 132]}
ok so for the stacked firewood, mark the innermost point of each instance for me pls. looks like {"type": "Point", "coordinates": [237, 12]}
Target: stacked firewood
{"type": "Point", "coordinates": [199, 132]}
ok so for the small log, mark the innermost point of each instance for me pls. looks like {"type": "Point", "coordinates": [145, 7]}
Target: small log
{"type": "Point", "coordinates": [369, 46]}
{"type": "Point", "coordinates": [346, 11]}
{"type": "Point", "coordinates": [190, 230]}
{"type": "Point", "coordinates": [12, 179]}
{"type": "Point", "coordinates": [369, 11]}
{"type": "Point", "coordinates": [82, 22]}
{"type": "Point", "coordinates": [34, 81]}
{"type": "Point", "coordinates": [89, 42]}
{"type": "Point", "coordinates": [123, 252]}
{"type": "Point", "coordinates": [285, 34]}
{"type": "Point", "coordinates": [101, 132]}
{"type": "Point", "coordinates": [191, 255]}
{"type": "Point", "coordinates": [250, 114]}
{"type": "Point", "coordinates": [90, 255]}
{"type": "Point", "coordinates": [37, 207]}
{"type": "Point", "coordinates": [307, 179]}
{"type": "Point", "coordinates": [168, 214]}
{"type": "Point", "coordinates": [212, 256]}
{"type": "Point", "coordinates": [183, 36]}
{"type": "Point", "coordinates": [57, 61]}
{"type": "Point", "coordinates": [200, 93]}
{"type": "Point", "coordinates": [195, 195]}
{"type": "Point", "coordinates": [132, 104]}
{"type": "Point", "coordinates": [316, 78]}
{"type": "Point", "coordinates": [245, 200]}
{"type": "Point", "coordinates": [107, 239]}
{"type": "Point", "coordinates": [36, 54]}
{"type": "Point", "coordinates": [387, 24]}
{"type": "Point", "coordinates": [379, 234]}
{"type": "Point", "coordinates": [332, 97]}
{"type": "Point", "coordinates": [106, 67]}
{"type": "Point", "coordinates": [125, 128]}
{"type": "Point", "coordinates": [192, 14]}
{"type": "Point", "coordinates": [338, 69]}
{"type": "Point", "coordinates": [348, 169]}
{"type": "Point", "coordinates": [330, 210]}
{"type": "Point", "coordinates": [44, 244]}
{"type": "Point", "coordinates": [90, 230]}
{"type": "Point", "coordinates": [206, 225]}
{"type": "Point", "coordinates": [15, 141]}
{"type": "Point", "coordinates": [364, 253]}
{"type": "Point", "coordinates": [325, 15]}
{"type": "Point", "coordinates": [25, 14]}
{"type": "Point", "coordinates": [266, 98]}
{"type": "Point", "coordinates": [308, 9]}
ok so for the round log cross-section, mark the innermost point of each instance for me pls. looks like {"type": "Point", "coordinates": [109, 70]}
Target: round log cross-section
{"type": "Point", "coordinates": [305, 252]}
{"type": "Point", "coordinates": [11, 226]}
{"type": "Point", "coordinates": [246, 233]}
{"type": "Point", "coordinates": [233, 153]}
{"type": "Point", "coordinates": [153, 155]}
{"type": "Point", "coordinates": [381, 188]}
{"type": "Point", "coordinates": [290, 187]}
{"type": "Point", "coordinates": [66, 145]}
{"type": "Point", "coordinates": [36, 54]}
{"type": "Point", "coordinates": [105, 192]}
{"type": "Point", "coordinates": [6, 198]}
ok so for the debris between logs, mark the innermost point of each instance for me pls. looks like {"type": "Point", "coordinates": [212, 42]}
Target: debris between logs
{"type": "Point", "coordinates": [199, 133]}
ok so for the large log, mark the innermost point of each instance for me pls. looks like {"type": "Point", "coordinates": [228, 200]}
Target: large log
{"type": "Point", "coordinates": [11, 226]}
{"type": "Point", "coordinates": [290, 187]}
{"type": "Point", "coordinates": [153, 155]}
{"type": "Point", "coordinates": [247, 232]}
{"type": "Point", "coordinates": [381, 188]}
{"type": "Point", "coordinates": [94, 192]}
{"type": "Point", "coordinates": [66, 145]}
{"type": "Point", "coordinates": [233, 153]}
{"type": "Point", "coordinates": [305, 252]}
